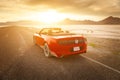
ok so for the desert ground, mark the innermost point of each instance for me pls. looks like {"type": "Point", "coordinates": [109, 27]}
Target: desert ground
{"type": "Point", "coordinates": [21, 59]}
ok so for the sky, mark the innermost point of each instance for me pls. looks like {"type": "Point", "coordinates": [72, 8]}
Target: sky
{"type": "Point", "coordinates": [12, 10]}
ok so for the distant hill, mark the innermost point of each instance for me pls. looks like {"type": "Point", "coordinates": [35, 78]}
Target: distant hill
{"type": "Point", "coordinates": [110, 20]}
{"type": "Point", "coordinates": [22, 22]}
{"type": "Point", "coordinates": [72, 22]}
{"type": "Point", "coordinates": [107, 21]}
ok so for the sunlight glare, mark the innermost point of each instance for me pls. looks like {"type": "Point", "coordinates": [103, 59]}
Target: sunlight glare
{"type": "Point", "coordinates": [49, 17]}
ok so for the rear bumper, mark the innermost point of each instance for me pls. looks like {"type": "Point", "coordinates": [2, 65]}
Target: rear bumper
{"type": "Point", "coordinates": [64, 50]}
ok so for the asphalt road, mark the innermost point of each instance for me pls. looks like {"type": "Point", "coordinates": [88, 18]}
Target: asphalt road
{"type": "Point", "coordinates": [20, 59]}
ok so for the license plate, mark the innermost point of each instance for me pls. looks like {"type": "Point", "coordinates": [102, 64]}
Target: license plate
{"type": "Point", "coordinates": [76, 48]}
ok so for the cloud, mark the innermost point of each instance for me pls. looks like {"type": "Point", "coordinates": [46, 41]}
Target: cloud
{"type": "Point", "coordinates": [98, 7]}
{"type": "Point", "coordinates": [60, 3]}
{"type": "Point", "coordinates": [89, 7]}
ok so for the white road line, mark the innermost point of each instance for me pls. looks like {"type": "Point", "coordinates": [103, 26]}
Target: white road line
{"type": "Point", "coordinates": [115, 70]}
{"type": "Point", "coordinates": [22, 39]}
{"type": "Point", "coordinates": [23, 44]}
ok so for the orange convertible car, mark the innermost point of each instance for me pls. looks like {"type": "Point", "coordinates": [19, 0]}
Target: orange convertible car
{"type": "Point", "coordinates": [59, 43]}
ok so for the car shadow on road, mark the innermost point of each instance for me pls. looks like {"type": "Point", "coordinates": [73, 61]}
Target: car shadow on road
{"type": "Point", "coordinates": [36, 50]}
{"type": "Point", "coordinates": [34, 56]}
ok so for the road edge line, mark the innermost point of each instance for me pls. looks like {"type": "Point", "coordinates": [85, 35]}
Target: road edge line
{"type": "Point", "coordinates": [106, 66]}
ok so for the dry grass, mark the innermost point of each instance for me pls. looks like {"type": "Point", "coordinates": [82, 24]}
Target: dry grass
{"type": "Point", "coordinates": [105, 44]}
{"type": "Point", "coordinates": [92, 44]}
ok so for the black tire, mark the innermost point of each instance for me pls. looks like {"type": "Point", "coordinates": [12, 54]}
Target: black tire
{"type": "Point", "coordinates": [47, 50]}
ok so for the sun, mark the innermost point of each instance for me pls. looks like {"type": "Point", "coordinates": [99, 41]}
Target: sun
{"type": "Point", "coordinates": [49, 16]}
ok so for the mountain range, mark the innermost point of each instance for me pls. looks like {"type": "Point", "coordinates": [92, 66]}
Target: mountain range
{"type": "Point", "coordinates": [107, 21]}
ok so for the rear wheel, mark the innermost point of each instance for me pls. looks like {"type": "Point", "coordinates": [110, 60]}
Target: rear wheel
{"type": "Point", "coordinates": [47, 50]}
